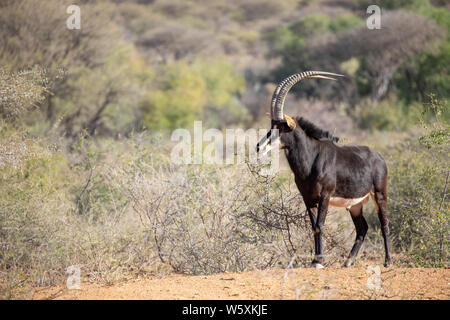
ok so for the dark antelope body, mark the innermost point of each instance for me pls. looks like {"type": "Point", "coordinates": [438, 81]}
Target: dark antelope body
{"type": "Point", "coordinates": [328, 174]}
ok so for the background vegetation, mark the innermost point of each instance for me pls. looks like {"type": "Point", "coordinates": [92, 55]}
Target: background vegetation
{"type": "Point", "coordinates": [86, 115]}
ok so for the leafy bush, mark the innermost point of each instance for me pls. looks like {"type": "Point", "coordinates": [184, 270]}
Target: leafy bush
{"type": "Point", "coordinates": [344, 22]}
{"type": "Point", "coordinates": [26, 230]}
{"type": "Point", "coordinates": [389, 114]}
{"type": "Point", "coordinates": [425, 73]}
{"type": "Point", "coordinates": [101, 70]}
{"type": "Point", "coordinates": [295, 44]}
{"type": "Point", "coordinates": [419, 210]}
{"type": "Point", "coordinates": [185, 92]}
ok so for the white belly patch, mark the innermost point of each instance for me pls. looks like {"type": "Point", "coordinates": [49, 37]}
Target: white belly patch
{"type": "Point", "coordinates": [348, 203]}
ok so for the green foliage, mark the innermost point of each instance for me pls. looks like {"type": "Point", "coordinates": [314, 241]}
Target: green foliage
{"type": "Point", "coordinates": [389, 114]}
{"type": "Point", "coordinates": [427, 73]}
{"type": "Point", "coordinates": [29, 187]}
{"type": "Point", "coordinates": [223, 84]}
{"type": "Point", "coordinates": [101, 71]}
{"type": "Point", "coordinates": [439, 14]}
{"type": "Point", "coordinates": [314, 23]}
{"type": "Point", "coordinates": [438, 133]}
{"type": "Point", "coordinates": [291, 44]}
{"type": "Point", "coordinates": [292, 37]}
{"type": "Point", "coordinates": [103, 100]}
{"type": "Point", "coordinates": [178, 99]}
{"type": "Point", "coordinates": [424, 75]}
{"type": "Point", "coordinates": [184, 91]}
{"type": "Point", "coordinates": [419, 212]}
{"type": "Point", "coordinates": [344, 22]}
{"type": "Point", "coordinates": [419, 209]}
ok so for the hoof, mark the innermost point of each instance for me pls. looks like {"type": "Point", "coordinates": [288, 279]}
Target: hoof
{"type": "Point", "coordinates": [318, 266]}
{"type": "Point", "coordinates": [348, 263]}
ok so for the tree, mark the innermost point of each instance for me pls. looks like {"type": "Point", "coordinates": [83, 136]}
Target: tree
{"type": "Point", "coordinates": [403, 36]}
{"type": "Point", "coordinates": [98, 64]}
{"type": "Point", "coordinates": [379, 53]}
{"type": "Point", "coordinates": [185, 92]}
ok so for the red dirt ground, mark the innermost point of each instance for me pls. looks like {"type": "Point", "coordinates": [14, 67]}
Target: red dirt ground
{"type": "Point", "coordinates": [328, 283]}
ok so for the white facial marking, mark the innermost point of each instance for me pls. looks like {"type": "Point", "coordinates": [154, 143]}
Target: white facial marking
{"type": "Point", "coordinates": [273, 145]}
{"type": "Point", "coordinates": [348, 203]}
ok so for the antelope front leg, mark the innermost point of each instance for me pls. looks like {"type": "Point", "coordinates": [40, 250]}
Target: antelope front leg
{"type": "Point", "coordinates": [318, 229]}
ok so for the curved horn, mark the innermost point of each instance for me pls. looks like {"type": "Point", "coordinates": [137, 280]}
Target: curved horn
{"type": "Point", "coordinates": [283, 88]}
{"type": "Point", "coordinates": [274, 101]}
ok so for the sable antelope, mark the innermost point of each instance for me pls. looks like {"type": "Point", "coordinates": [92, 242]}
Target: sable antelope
{"type": "Point", "coordinates": [328, 174]}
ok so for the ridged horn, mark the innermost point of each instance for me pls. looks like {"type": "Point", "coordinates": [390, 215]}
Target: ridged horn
{"type": "Point", "coordinates": [283, 88]}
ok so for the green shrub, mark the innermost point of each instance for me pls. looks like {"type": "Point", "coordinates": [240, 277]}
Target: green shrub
{"type": "Point", "coordinates": [27, 232]}
{"type": "Point", "coordinates": [186, 92]}
{"type": "Point", "coordinates": [418, 210]}
{"type": "Point", "coordinates": [291, 44]}
{"type": "Point", "coordinates": [426, 73]}
{"type": "Point", "coordinates": [314, 23]}
{"type": "Point", "coordinates": [344, 22]}
{"type": "Point", "coordinates": [389, 114]}
{"type": "Point", "coordinates": [419, 207]}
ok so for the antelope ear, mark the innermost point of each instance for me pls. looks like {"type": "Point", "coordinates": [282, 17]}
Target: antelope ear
{"type": "Point", "coordinates": [290, 122]}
